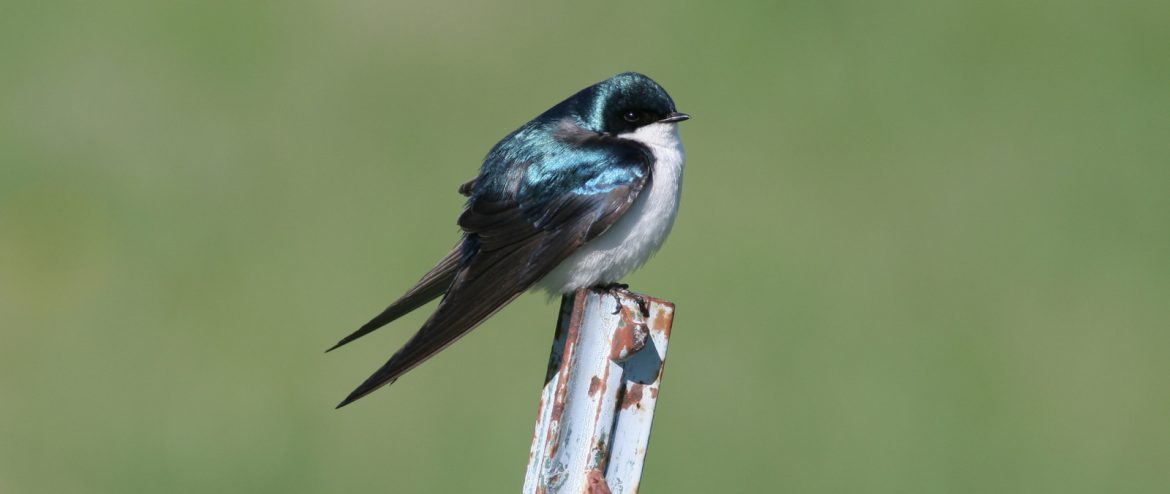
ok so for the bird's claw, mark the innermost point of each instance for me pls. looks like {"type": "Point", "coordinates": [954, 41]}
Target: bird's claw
{"type": "Point", "coordinates": [615, 288]}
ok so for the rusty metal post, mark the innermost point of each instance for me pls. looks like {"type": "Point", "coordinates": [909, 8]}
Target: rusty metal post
{"type": "Point", "coordinates": [597, 406]}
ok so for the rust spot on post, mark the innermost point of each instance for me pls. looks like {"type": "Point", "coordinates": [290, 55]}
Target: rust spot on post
{"type": "Point", "coordinates": [629, 338]}
{"type": "Point", "coordinates": [594, 384]}
{"type": "Point", "coordinates": [633, 395]}
{"type": "Point", "coordinates": [665, 318]}
{"type": "Point", "coordinates": [597, 483]}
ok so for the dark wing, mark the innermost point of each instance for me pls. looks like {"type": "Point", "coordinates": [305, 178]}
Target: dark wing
{"type": "Point", "coordinates": [433, 284]}
{"type": "Point", "coordinates": [515, 237]}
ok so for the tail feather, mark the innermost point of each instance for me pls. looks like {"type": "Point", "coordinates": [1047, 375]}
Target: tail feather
{"type": "Point", "coordinates": [432, 285]}
{"type": "Point", "coordinates": [468, 305]}
{"type": "Point", "coordinates": [481, 288]}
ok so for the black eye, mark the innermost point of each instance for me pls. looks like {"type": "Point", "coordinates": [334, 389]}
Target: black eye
{"type": "Point", "coordinates": [631, 116]}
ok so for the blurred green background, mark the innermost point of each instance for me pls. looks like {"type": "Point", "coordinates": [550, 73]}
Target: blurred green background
{"type": "Point", "coordinates": [924, 245]}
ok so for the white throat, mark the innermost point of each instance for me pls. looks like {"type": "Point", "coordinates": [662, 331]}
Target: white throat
{"type": "Point", "coordinates": [641, 231]}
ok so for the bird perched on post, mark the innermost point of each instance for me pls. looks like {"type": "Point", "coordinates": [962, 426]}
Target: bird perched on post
{"type": "Point", "coordinates": [577, 197]}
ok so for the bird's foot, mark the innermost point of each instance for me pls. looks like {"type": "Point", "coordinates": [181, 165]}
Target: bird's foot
{"type": "Point", "coordinates": [622, 288]}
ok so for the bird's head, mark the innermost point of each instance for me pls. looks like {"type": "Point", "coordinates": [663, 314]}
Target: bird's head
{"type": "Point", "coordinates": [624, 103]}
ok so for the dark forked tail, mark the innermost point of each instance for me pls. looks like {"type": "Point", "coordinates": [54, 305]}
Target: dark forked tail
{"type": "Point", "coordinates": [433, 284]}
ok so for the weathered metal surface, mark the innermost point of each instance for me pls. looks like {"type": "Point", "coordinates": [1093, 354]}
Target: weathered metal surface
{"type": "Point", "coordinates": [597, 405]}
{"type": "Point", "coordinates": [642, 379]}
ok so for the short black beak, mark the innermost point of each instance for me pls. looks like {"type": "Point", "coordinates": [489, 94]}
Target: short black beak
{"type": "Point", "coordinates": [674, 117]}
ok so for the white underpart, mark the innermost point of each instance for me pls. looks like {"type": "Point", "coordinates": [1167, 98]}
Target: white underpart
{"type": "Point", "coordinates": [640, 231]}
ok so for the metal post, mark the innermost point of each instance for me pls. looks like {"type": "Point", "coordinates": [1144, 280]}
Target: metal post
{"type": "Point", "coordinates": [597, 405]}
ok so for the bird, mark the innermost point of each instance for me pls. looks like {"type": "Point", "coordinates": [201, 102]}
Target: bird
{"type": "Point", "coordinates": [577, 197]}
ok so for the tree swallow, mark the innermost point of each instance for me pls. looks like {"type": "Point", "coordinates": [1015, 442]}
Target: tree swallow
{"type": "Point", "coordinates": [578, 197]}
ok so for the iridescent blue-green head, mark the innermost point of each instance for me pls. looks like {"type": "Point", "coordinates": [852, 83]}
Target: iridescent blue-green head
{"type": "Point", "coordinates": [622, 104]}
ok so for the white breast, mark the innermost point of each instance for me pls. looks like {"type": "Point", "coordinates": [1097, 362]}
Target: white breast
{"type": "Point", "coordinates": [640, 231]}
